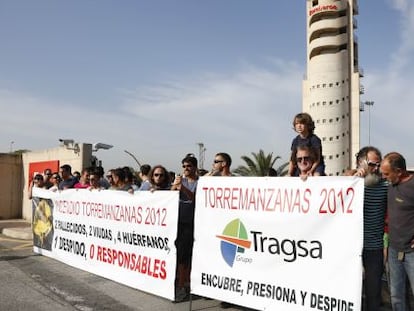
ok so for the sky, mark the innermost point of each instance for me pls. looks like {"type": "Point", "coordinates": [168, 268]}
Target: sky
{"type": "Point", "coordinates": [158, 77]}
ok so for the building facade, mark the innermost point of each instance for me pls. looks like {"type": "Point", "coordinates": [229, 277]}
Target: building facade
{"type": "Point", "coordinates": [331, 88]}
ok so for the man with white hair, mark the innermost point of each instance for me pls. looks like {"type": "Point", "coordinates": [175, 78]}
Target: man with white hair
{"type": "Point", "coordinates": [375, 204]}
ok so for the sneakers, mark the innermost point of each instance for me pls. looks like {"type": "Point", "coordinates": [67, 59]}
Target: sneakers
{"type": "Point", "coordinates": [181, 294]}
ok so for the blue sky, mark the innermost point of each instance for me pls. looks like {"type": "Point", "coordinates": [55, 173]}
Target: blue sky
{"type": "Point", "coordinates": [157, 77]}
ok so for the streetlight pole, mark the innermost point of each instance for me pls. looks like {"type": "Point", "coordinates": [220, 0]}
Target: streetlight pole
{"type": "Point", "coordinates": [11, 146]}
{"type": "Point", "coordinates": [369, 104]}
{"type": "Point", "coordinates": [134, 157]}
{"type": "Point", "coordinates": [201, 154]}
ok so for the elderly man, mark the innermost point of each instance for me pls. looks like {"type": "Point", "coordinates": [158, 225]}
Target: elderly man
{"type": "Point", "coordinates": [401, 227]}
{"type": "Point", "coordinates": [368, 161]}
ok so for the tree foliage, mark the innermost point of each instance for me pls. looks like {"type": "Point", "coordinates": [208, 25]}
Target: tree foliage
{"type": "Point", "coordinates": [260, 164]}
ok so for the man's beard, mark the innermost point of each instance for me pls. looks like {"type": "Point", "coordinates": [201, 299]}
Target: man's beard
{"type": "Point", "coordinates": [371, 179]}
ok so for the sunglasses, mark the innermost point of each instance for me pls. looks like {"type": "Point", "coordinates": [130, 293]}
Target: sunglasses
{"type": "Point", "coordinates": [300, 159]}
{"type": "Point", "coordinates": [158, 175]}
{"type": "Point", "coordinates": [374, 164]}
{"type": "Point", "coordinates": [187, 166]}
{"type": "Point", "coordinates": [218, 161]}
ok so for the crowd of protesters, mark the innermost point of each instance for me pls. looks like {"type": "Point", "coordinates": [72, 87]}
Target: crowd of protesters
{"type": "Point", "coordinates": [381, 176]}
{"type": "Point", "coordinates": [388, 206]}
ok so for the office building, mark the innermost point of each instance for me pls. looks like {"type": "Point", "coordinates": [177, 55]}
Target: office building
{"type": "Point", "coordinates": [331, 88]}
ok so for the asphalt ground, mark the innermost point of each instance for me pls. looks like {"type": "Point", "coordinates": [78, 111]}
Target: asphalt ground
{"type": "Point", "coordinates": [32, 282]}
{"type": "Point", "coordinates": [49, 279]}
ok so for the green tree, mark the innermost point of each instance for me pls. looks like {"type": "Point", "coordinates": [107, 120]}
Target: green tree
{"type": "Point", "coordinates": [260, 164]}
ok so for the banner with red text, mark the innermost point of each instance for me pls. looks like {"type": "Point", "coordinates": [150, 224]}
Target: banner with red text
{"type": "Point", "coordinates": [278, 243]}
{"type": "Point", "coordinates": [123, 237]}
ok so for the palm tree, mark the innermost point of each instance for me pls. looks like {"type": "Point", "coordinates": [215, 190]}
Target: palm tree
{"type": "Point", "coordinates": [260, 165]}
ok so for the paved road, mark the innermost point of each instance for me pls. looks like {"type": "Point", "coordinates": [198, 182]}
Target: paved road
{"type": "Point", "coordinates": [37, 283]}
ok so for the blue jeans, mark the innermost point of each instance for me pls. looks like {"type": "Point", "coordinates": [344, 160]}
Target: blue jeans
{"type": "Point", "coordinates": [399, 271]}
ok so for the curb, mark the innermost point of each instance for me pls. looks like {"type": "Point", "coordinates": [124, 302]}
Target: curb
{"type": "Point", "coordinates": [17, 229]}
{"type": "Point", "coordinates": [18, 233]}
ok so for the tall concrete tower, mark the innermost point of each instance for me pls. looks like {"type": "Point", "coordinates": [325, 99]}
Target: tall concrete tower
{"type": "Point", "coordinates": [331, 88]}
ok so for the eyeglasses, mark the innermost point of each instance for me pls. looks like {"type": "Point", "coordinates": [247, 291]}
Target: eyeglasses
{"type": "Point", "coordinates": [218, 161]}
{"type": "Point", "coordinates": [158, 175]}
{"type": "Point", "coordinates": [300, 159]}
{"type": "Point", "coordinates": [374, 164]}
{"type": "Point", "coordinates": [187, 166]}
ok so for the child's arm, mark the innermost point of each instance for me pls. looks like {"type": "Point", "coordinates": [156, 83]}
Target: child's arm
{"type": "Point", "coordinates": [313, 168]}
{"type": "Point", "coordinates": [316, 163]}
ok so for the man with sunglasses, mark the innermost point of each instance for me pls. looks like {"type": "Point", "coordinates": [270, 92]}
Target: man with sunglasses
{"type": "Point", "coordinates": [368, 161]}
{"type": "Point", "coordinates": [304, 160]}
{"type": "Point", "coordinates": [221, 165]}
{"type": "Point", "coordinates": [187, 185]}
{"type": "Point", "coordinates": [47, 175]}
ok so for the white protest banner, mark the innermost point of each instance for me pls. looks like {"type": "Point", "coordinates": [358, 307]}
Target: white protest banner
{"type": "Point", "coordinates": [278, 243]}
{"type": "Point", "coordinates": [123, 237]}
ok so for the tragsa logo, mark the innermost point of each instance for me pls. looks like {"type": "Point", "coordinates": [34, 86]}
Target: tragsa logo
{"type": "Point", "coordinates": [234, 242]}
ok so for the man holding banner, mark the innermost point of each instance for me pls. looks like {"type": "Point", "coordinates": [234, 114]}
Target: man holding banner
{"type": "Point", "coordinates": [279, 243]}
{"type": "Point", "coordinates": [375, 205]}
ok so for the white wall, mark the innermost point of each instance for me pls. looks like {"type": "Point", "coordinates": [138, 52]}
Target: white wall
{"type": "Point", "coordinates": [76, 159]}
